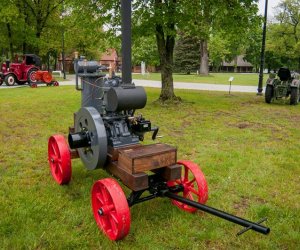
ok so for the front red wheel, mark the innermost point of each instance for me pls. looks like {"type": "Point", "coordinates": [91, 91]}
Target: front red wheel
{"type": "Point", "coordinates": [110, 208]}
{"type": "Point", "coordinates": [194, 184]}
{"type": "Point", "coordinates": [59, 158]}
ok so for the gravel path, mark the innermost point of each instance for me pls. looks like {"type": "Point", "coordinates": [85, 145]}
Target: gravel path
{"type": "Point", "coordinates": [177, 85]}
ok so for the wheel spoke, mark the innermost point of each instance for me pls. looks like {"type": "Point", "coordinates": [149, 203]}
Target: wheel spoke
{"type": "Point", "coordinates": [105, 196]}
{"type": "Point", "coordinates": [58, 168]}
{"type": "Point", "coordinates": [186, 174]}
{"type": "Point", "coordinates": [190, 196]}
{"type": "Point", "coordinates": [113, 222]}
{"type": "Point", "coordinates": [54, 149]}
{"type": "Point", "coordinates": [99, 197]}
{"type": "Point", "coordinates": [189, 183]}
{"type": "Point", "coordinates": [191, 189]}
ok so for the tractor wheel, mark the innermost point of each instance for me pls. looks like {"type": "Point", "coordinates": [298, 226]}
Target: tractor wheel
{"type": "Point", "coordinates": [31, 76]}
{"type": "Point", "coordinates": [59, 158]}
{"type": "Point", "coordinates": [194, 184]}
{"type": "Point", "coordinates": [110, 208]}
{"type": "Point", "coordinates": [269, 94]}
{"type": "Point", "coordinates": [295, 95]}
{"type": "Point", "coordinates": [10, 80]}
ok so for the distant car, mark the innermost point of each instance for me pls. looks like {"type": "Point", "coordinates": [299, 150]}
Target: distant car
{"type": "Point", "coordinates": [285, 85]}
{"type": "Point", "coordinates": [22, 70]}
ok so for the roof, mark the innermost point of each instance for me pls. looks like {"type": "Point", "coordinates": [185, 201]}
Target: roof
{"type": "Point", "coordinates": [240, 62]}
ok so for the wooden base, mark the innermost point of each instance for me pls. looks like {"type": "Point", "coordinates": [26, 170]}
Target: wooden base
{"type": "Point", "coordinates": [147, 158]}
{"type": "Point", "coordinates": [157, 158]}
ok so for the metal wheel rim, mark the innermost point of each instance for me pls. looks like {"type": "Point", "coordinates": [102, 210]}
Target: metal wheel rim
{"type": "Point", "coordinates": [11, 80]}
{"type": "Point", "coordinates": [108, 197]}
{"type": "Point", "coordinates": [194, 183]}
{"type": "Point", "coordinates": [59, 159]}
{"type": "Point", "coordinates": [32, 76]}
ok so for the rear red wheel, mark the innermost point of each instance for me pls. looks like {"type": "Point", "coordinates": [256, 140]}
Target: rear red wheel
{"type": "Point", "coordinates": [194, 184]}
{"type": "Point", "coordinates": [31, 76]}
{"type": "Point", "coordinates": [110, 209]}
{"type": "Point", "coordinates": [59, 158]}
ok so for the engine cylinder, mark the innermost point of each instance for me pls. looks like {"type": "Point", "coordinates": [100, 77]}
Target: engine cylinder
{"type": "Point", "coordinates": [121, 98]}
{"type": "Point", "coordinates": [86, 66]}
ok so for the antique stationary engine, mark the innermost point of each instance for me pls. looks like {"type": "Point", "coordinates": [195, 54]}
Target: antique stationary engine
{"type": "Point", "coordinates": [107, 133]}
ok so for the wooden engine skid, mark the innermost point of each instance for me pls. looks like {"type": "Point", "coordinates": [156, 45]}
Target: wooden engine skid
{"type": "Point", "coordinates": [129, 164]}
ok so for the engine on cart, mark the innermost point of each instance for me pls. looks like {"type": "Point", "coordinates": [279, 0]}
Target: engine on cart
{"type": "Point", "coordinates": [106, 117]}
{"type": "Point", "coordinates": [106, 134]}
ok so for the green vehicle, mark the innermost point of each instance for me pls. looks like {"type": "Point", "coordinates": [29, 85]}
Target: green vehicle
{"type": "Point", "coordinates": [285, 85]}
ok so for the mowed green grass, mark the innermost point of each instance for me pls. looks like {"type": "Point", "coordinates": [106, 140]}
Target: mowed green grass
{"type": "Point", "coordinates": [248, 150]}
{"type": "Point", "coordinates": [246, 79]}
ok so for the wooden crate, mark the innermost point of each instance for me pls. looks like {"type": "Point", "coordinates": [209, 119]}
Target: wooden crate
{"type": "Point", "coordinates": [147, 157]}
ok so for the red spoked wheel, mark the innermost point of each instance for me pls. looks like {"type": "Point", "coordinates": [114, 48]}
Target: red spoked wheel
{"type": "Point", "coordinates": [194, 184]}
{"type": "Point", "coordinates": [59, 158]}
{"type": "Point", "coordinates": [55, 83]}
{"type": "Point", "coordinates": [110, 208]}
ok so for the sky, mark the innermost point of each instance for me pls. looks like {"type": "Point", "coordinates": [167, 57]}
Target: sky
{"type": "Point", "coordinates": [271, 5]}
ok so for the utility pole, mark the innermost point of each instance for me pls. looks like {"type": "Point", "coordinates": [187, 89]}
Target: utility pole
{"type": "Point", "coordinates": [126, 41]}
{"type": "Point", "coordinates": [262, 54]}
{"type": "Point", "coordinates": [63, 42]}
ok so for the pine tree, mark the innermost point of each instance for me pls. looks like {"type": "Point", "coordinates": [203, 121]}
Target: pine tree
{"type": "Point", "coordinates": [186, 54]}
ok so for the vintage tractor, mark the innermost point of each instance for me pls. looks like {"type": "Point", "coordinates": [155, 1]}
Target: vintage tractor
{"type": "Point", "coordinates": [42, 77]}
{"type": "Point", "coordinates": [106, 134]}
{"type": "Point", "coordinates": [20, 71]}
{"type": "Point", "coordinates": [283, 86]}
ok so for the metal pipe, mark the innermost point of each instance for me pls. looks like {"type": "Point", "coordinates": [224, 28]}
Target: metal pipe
{"type": "Point", "coordinates": [126, 41]}
{"type": "Point", "coordinates": [237, 220]}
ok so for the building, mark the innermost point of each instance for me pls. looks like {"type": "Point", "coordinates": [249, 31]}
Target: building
{"type": "Point", "coordinates": [242, 66]}
{"type": "Point", "coordinates": [111, 59]}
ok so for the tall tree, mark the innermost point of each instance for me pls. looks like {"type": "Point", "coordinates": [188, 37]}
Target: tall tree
{"type": "Point", "coordinates": [283, 38]}
{"type": "Point", "coordinates": [186, 54]}
{"type": "Point", "coordinates": [162, 18]}
{"type": "Point", "coordinates": [208, 17]}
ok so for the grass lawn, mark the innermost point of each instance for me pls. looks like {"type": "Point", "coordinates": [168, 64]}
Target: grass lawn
{"type": "Point", "coordinates": [213, 78]}
{"type": "Point", "coordinates": [248, 150]}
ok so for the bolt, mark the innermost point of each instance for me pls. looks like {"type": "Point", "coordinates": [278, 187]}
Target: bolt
{"type": "Point", "coordinates": [100, 212]}
{"type": "Point", "coordinates": [52, 160]}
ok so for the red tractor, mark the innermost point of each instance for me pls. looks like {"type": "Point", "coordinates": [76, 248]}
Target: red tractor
{"type": "Point", "coordinates": [22, 70]}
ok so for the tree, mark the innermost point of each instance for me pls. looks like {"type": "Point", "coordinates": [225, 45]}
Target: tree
{"type": "Point", "coordinates": [161, 18]}
{"type": "Point", "coordinates": [234, 18]}
{"type": "Point", "coordinates": [144, 50]}
{"type": "Point", "coordinates": [218, 50]}
{"type": "Point", "coordinates": [283, 39]}
{"type": "Point", "coordinates": [186, 54]}
{"type": "Point", "coordinates": [252, 52]}
{"type": "Point", "coordinates": [10, 27]}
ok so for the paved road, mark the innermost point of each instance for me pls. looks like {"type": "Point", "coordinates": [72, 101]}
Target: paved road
{"type": "Point", "coordinates": [177, 85]}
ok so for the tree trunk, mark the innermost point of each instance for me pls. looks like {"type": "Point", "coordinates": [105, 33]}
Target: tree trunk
{"type": "Point", "coordinates": [204, 70]}
{"type": "Point", "coordinates": [165, 46]}
{"type": "Point", "coordinates": [235, 65]}
{"type": "Point", "coordinates": [11, 48]}
{"type": "Point", "coordinates": [165, 51]}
